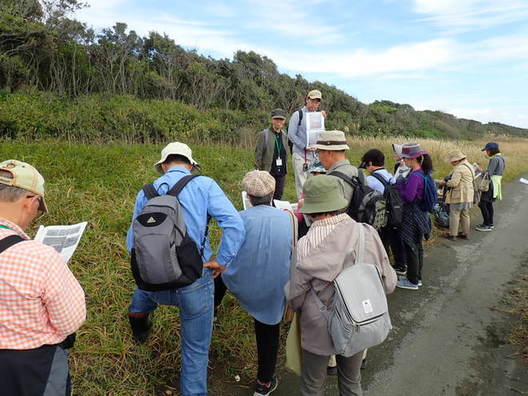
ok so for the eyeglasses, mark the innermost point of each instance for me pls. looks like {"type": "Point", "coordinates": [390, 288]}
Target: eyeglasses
{"type": "Point", "coordinates": [39, 200]}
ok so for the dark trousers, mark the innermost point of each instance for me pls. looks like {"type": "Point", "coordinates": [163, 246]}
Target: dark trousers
{"type": "Point", "coordinates": [267, 348]}
{"type": "Point", "coordinates": [38, 371]}
{"type": "Point", "coordinates": [392, 242]}
{"type": "Point", "coordinates": [219, 292]}
{"type": "Point", "coordinates": [414, 256]}
{"type": "Point", "coordinates": [486, 207]}
{"type": "Point", "coordinates": [279, 186]}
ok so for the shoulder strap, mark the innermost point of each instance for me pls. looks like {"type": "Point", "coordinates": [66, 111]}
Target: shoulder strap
{"type": "Point", "coordinates": [350, 180]}
{"type": "Point", "coordinates": [7, 242]}
{"type": "Point", "coordinates": [381, 179]}
{"type": "Point", "coordinates": [175, 191]}
{"type": "Point", "coordinates": [149, 191]}
{"type": "Point", "coordinates": [361, 244]}
{"type": "Point", "coordinates": [300, 117]}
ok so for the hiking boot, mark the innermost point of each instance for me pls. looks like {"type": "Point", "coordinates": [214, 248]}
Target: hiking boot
{"type": "Point", "coordinates": [463, 236]}
{"type": "Point", "coordinates": [448, 236]}
{"type": "Point", "coordinates": [265, 389]}
{"type": "Point", "coordinates": [140, 324]}
{"type": "Point", "coordinates": [483, 228]}
{"type": "Point", "coordinates": [404, 283]}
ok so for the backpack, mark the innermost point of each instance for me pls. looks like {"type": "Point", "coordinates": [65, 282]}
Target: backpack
{"type": "Point", "coordinates": [164, 256]}
{"type": "Point", "coordinates": [367, 205]}
{"type": "Point", "coordinates": [393, 201]}
{"type": "Point", "coordinates": [358, 317]}
{"type": "Point", "coordinates": [430, 195]}
{"type": "Point", "coordinates": [476, 192]}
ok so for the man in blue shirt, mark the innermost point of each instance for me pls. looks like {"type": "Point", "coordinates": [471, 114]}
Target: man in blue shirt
{"type": "Point", "coordinates": [200, 198]}
{"type": "Point", "coordinates": [260, 271]}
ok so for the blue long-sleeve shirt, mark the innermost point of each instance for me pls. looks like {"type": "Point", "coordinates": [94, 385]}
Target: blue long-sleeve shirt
{"type": "Point", "coordinates": [201, 197]}
{"type": "Point", "coordinates": [297, 134]}
{"type": "Point", "coordinates": [261, 269]}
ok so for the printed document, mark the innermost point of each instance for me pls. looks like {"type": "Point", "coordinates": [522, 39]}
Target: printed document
{"type": "Point", "coordinates": [64, 238]}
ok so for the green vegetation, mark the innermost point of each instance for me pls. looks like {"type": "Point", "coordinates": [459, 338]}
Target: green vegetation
{"type": "Point", "coordinates": [98, 183]}
{"type": "Point", "coordinates": [149, 89]}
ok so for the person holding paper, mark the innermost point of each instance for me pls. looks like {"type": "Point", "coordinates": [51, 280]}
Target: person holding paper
{"type": "Point", "coordinates": [303, 156]}
{"type": "Point", "coordinates": [271, 152]}
{"type": "Point", "coordinates": [41, 302]}
{"type": "Point", "coordinates": [260, 270]}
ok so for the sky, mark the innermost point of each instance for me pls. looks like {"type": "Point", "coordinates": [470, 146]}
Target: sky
{"type": "Point", "coordinates": [465, 57]}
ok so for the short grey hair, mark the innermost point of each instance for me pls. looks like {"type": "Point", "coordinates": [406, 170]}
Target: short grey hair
{"type": "Point", "coordinates": [10, 193]}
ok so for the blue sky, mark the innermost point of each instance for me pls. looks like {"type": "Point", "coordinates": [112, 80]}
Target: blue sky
{"type": "Point", "coordinates": [465, 57]}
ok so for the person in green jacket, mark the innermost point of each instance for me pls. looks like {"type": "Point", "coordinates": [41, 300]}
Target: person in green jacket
{"type": "Point", "coordinates": [271, 151]}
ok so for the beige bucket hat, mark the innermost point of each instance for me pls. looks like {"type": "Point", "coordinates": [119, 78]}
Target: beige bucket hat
{"type": "Point", "coordinates": [24, 176]}
{"type": "Point", "coordinates": [455, 155]}
{"type": "Point", "coordinates": [178, 149]}
{"type": "Point", "coordinates": [332, 141]}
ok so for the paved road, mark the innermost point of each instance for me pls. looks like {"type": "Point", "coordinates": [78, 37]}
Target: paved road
{"type": "Point", "coordinates": [447, 339]}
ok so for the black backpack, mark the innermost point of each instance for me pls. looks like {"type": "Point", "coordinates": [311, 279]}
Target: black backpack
{"type": "Point", "coordinates": [366, 205]}
{"type": "Point", "coordinates": [393, 201]}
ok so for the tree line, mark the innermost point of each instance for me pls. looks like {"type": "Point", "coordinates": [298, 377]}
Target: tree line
{"type": "Point", "coordinates": [42, 48]}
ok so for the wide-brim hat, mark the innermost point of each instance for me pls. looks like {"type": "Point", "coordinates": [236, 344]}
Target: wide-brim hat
{"type": "Point", "coordinates": [175, 148]}
{"type": "Point", "coordinates": [455, 155]}
{"type": "Point", "coordinates": [412, 150]}
{"type": "Point", "coordinates": [26, 177]}
{"type": "Point", "coordinates": [397, 148]}
{"type": "Point", "coordinates": [331, 141]}
{"type": "Point", "coordinates": [323, 194]}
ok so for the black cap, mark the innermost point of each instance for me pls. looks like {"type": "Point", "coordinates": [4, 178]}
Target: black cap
{"type": "Point", "coordinates": [278, 113]}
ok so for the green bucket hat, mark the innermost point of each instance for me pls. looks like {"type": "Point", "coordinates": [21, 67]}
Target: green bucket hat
{"type": "Point", "coordinates": [323, 194]}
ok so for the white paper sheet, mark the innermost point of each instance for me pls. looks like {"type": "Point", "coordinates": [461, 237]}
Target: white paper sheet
{"type": "Point", "coordinates": [523, 180]}
{"type": "Point", "coordinates": [314, 126]}
{"type": "Point", "coordinates": [286, 205]}
{"type": "Point", "coordinates": [64, 238]}
{"type": "Point", "coordinates": [246, 203]}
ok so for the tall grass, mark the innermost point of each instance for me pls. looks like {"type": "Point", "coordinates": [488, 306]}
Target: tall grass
{"type": "Point", "coordinates": [98, 183]}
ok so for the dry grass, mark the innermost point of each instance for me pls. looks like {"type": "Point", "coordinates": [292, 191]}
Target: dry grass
{"type": "Point", "coordinates": [99, 184]}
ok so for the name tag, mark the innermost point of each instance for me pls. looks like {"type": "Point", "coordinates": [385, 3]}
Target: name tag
{"type": "Point", "coordinates": [278, 162]}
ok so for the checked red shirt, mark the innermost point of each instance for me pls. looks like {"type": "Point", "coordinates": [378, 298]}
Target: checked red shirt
{"type": "Point", "coordinates": [41, 302]}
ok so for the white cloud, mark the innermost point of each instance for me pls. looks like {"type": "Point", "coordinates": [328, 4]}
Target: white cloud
{"type": "Point", "coordinates": [461, 15]}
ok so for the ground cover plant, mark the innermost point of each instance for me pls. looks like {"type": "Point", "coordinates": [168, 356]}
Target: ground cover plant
{"type": "Point", "coordinates": [98, 183]}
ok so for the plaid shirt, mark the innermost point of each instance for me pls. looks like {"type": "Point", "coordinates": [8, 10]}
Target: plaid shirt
{"type": "Point", "coordinates": [41, 302]}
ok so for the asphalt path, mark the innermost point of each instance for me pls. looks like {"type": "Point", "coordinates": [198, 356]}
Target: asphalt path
{"type": "Point", "coordinates": [449, 338]}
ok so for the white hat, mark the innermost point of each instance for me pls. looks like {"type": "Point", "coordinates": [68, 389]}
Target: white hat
{"type": "Point", "coordinates": [178, 149]}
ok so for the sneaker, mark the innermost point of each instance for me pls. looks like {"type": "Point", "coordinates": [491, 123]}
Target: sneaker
{"type": "Point", "coordinates": [420, 284]}
{"type": "Point", "coordinates": [483, 228]}
{"type": "Point", "coordinates": [400, 271]}
{"type": "Point", "coordinates": [492, 226]}
{"type": "Point", "coordinates": [405, 283]}
{"type": "Point", "coordinates": [266, 389]}
{"type": "Point", "coordinates": [463, 236]}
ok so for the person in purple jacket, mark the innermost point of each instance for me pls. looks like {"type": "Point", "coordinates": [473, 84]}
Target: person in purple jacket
{"type": "Point", "coordinates": [416, 223]}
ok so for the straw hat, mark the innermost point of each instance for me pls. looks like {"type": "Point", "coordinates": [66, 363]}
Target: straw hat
{"type": "Point", "coordinates": [455, 155]}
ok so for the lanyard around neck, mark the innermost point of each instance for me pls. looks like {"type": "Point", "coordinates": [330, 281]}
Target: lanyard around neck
{"type": "Point", "coordinates": [6, 227]}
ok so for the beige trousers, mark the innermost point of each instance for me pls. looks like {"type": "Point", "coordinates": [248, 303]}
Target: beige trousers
{"type": "Point", "coordinates": [459, 221]}
{"type": "Point", "coordinates": [300, 174]}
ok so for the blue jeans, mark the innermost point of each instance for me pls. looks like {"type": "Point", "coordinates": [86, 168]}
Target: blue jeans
{"type": "Point", "coordinates": [196, 316]}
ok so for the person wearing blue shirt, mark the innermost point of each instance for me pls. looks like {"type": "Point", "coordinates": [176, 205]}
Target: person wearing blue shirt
{"type": "Point", "coordinates": [260, 271]}
{"type": "Point", "coordinates": [200, 199]}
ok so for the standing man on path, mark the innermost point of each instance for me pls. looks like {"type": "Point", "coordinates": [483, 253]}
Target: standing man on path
{"type": "Point", "coordinates": [41, 302]}
{"type": "Point", "coordinates": [303, 157]}
{"type": "Point", "coordinates": [271, 153]}
{"type": "Point", "coordinates": [200, 198]}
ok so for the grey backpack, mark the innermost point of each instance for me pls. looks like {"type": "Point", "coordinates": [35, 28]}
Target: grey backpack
{"type": "Point", "coordinates": [164, 256]}
{"type": "Point", "coordinates": [358, 317]}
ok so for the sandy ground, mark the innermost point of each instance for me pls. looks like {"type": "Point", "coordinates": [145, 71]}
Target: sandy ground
{"type": "Point", "coordinates": [448, 337]}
